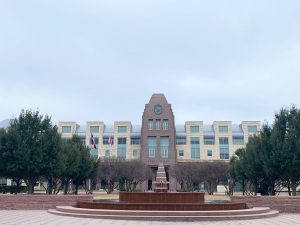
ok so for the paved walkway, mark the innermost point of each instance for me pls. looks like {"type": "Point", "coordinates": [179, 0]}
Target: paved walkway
{"type": "Point", "coordinates": [41, 217]}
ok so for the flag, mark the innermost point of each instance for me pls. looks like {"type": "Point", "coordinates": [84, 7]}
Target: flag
{"type": "Point", "coordinates": [93, 141]}
{"type": "Point", "coordinates": [110, 142]}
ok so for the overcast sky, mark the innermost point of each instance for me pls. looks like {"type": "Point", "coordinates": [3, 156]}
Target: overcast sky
{"type": "Point", "coordinates": [83, 60]}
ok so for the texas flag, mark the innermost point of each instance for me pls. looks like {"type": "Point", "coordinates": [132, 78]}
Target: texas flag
{"type": "Point", "coordinates": [93, 141]}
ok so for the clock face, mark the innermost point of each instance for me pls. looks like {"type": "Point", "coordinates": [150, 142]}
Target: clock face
{"type": "Point", "coordinates": [157, 109]}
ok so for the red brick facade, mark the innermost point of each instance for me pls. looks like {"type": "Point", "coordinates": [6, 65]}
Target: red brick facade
{"type": "Point", "coordinates": [40, 201]}
{"type": "Point", "coordinates": [166, 114]}
{"type": "Point", "coordinates": [284, 204]}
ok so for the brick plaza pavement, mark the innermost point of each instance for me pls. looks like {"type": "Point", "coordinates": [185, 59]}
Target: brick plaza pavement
{"type": "Point", "coordinates": [41, 217]}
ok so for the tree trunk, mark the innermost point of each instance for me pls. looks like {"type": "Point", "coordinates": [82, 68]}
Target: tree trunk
{"type": "Point", "coordinates": [271, 188]}
{"type": "Point", "coordinates": [76, 187]}
{"type": "Point", "coordinates": [289, 188]}
{"type": "Point", "coordinates": [30, 187]}
{"type": "Point", "coordinates": [18, 187]}
{"type": "Point", "coordinates": [66, 186]}
{"type": "Point", "coordinates": [18, 182]}
{"type": "Point", "coordinates": [243, 186]}
{"type": "Point", "coordinates": [294, 187]}
{"type": "Point", "coordinates": [255, 187]}
{"type": "Point", "coordinates": [50, 186]}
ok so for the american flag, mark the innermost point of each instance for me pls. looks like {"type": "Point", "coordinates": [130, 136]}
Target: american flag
{"type": "Point", "coordinates": [93, 141]}
{"type": "Point", "coordinates": [110, 142]}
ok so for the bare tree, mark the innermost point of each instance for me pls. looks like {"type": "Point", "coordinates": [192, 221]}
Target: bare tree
{"type": "Point", "coordinates": [190, 175]}
{"type": "Point", "coordinates": [215, 172]}
{"type": "Point", "coordinates": [115, 171]}
{"type": "Point", "coordinates": [133, 172]}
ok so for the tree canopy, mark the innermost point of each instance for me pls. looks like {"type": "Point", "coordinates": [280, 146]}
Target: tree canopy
{"type": "Point", "coordinates": [31, 149]}
{"type": "Point", "coordinates": [271, 159]}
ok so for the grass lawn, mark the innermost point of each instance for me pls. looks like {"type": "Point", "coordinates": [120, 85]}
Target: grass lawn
{"type": "Point", "coordinates": [98, 196]}
{"type": "Point", "coordinates": [217, 197]}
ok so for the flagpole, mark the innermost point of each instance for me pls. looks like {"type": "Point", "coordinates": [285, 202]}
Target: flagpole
{"type": "Point", "coordinates": [110, 157]}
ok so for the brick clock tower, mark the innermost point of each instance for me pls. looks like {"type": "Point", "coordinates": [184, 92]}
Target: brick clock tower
{"type": "Point", "coordinates": [158, 138]}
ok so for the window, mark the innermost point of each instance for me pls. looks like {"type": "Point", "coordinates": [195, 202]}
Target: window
{"type": "Point", "coordinates": [165, 124]}
{"type": "Point", "coordinates": [122, 141]}
{"type": "Point", "coordinates": [195, 140]}
{"type": "Point", "coordinates": [151, 147]}
{"type": "Point", "coordinates": [135, 153]}
{"type": "Point", "coordinates": [195, 148]}
{"type": "Point", "coordinates": [135, 140]}
{"type": "Point", "coordinates": [209, 153]}
{"type": "Point", "coordinates": [180, 153]}
{"type": "Point", "coordinates": [94, 153]}
{"type": "Point", "coordinates": [223, 141]}
{"type": "Point", "coordinates": [209, 140]}
{"type": "Point", "coordinates": [94, 129]}
{"type": "Point", "coordinates": [223, 129]}
{"type": "Point", "coordinates": [224, 148]}
{"type": "Point", "coordinates": [224, 152]}
{"type": "Point", "coordinates": [252, 129]}
{"type": "Point", "coordinates": [107, 153]}
{"type": "Point", "coordinates": [66, 129]}
{"type": "Point", "coordinates": [157, 125]}
{"type": "Point", "coordinates": [164, 147]}
{"type": "Point", "coordinates": [150, 124]}
{"type": "Point", "coordinates": [106, 140]}
{"type": "Point", "coordinates": [3, 181]}
{"type": "Point", "coordinates": [238, 140]}
{"type": "Point", "coordinates": [180, 140]}
{"type": "Point", "coordinates": [121, 149]}
{"type": "Point", "coordinates": [122, 129]}
{"type": "Point", "coordinates": [194, 129]}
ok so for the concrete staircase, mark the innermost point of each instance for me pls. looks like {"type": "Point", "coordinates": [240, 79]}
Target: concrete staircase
{"type": "Point", "coordinates": [243, 214]}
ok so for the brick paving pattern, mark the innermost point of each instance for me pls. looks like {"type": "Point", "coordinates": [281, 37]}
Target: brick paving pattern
{"type": "Point", "coordinates": [41, 217]}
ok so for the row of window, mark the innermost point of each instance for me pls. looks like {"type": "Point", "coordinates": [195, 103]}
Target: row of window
{"type": "Point", "coordinates": [209, 140]}
{"type": "Point", "coordinates": [224, 154]}
{"type": "Point", "coordinates": [181, 153]}
{"type": "Point", "coordinates": [157, 123]}
{"type": "Point", "coordinates": [164, 147]}
{"type": "Point", "coordinates": [133, 140]}
{"type": "Point", "coordinates": [195, 148]}
{"type": "Point", "coordinates": [120, 153]}
{"type": "Point", "coordinates": [93, 129]}
{"type": "Point", "coordinates": [223, 129]}
{"type": "Point", "coordinates": [180, 140]}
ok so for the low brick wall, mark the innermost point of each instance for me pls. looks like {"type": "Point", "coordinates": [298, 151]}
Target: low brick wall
{"type": "Point", "coordinates": [23, 201]}
{"type": "Point", "coordinates": [160, 197]}
{"type": "Point", "coordinates": [284, 204]}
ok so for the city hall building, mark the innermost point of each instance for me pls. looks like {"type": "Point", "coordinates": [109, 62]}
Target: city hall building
{"type": "Point", "coordinates": [159, 139]}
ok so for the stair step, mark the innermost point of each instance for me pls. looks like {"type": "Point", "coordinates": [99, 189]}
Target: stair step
{"type": "Point", "coordinates": [71, 209]}
{"type": "Point", "coordinates": [210, 217]}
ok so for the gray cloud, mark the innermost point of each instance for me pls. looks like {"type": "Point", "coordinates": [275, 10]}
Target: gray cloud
{"type": "Point", "coordinates": [102, 60]}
